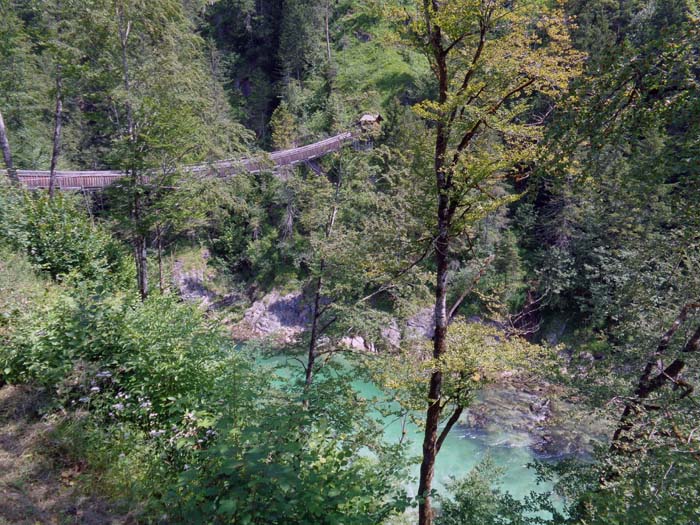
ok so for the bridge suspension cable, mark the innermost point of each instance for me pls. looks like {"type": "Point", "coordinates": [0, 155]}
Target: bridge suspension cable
{"type": "Point", "coordinates": [95, 180]}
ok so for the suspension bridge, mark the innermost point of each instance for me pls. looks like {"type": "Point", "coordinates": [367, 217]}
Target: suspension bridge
{"type": "Point", "coordinates": [95, 180]}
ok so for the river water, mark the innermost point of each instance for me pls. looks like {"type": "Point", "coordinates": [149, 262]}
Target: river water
{"type": "Point", "coordinates": [461, 451]}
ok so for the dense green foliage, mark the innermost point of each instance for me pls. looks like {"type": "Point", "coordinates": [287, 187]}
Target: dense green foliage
{"type": "Point", "coordinates": [478, 499]}
{"type": "Point", "coordinates": [61, 239]}
{"type": "Point", "coordinates": [295, 466]}
{"type": "Point", "coordinates": [557, 142]}
{"type": "Point", "coordinates": [613, 240]}
{"type": "Point", "coordinates": [188, 413]}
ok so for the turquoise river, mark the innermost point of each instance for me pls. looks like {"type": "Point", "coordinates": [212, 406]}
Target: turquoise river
{"type": "Point", "coordinates": [462, 449]}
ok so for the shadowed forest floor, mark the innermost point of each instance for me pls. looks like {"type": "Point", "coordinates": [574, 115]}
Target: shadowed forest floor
{"type": "Point", "coordinates": [37, 484]}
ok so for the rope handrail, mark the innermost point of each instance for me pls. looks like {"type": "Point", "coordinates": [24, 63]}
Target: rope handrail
{"type": "Point", "coordinates": [95, 179]}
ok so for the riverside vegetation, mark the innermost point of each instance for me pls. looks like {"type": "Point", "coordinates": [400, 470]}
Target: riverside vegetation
{"type": "Point", "coordinates": [526, 216]}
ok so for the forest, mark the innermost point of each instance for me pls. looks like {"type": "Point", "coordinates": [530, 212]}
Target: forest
{"type": "Point", "coordinates": [350, 262]}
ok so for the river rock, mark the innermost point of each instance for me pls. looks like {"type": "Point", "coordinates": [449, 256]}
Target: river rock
{"type": "Point", "coordinates": [280, 317]}
{"type": "Point", "coordinates": [519, 414]}
{"type": "Point", "coordinates": [392, 334]}
{"type": "Point", "coordinates": [284, 317]}
{"type": "Point", "coordinates": [421, 325]}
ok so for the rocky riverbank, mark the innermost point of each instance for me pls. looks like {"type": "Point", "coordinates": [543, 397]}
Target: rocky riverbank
{"type": "Point", "coordinates": [529, 414]}
{"type": "Point", "coordinates": [532, 415]}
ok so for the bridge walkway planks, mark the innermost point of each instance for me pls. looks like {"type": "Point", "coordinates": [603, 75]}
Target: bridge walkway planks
{"type": "Point", "coordinates": [95, 180]}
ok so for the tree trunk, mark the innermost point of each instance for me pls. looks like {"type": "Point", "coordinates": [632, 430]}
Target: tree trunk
{"type": "Point", "coordinates": [124, 32]}
{"type": "Point", "coordinates": [6, 152]}
{"type": "Point", "coordinates": [432, 420]}
{"type": "Point", "coordinates": [140, 244]}
{"type": "Point", "coordinates": [161, 280]}
{"type": "Point", "coordinates": [442, 248]}
{"type": "Point", "coordinates": [311, 360]}
{"type": "Point", "coordinates": [328, 33]}
{"type": "Point", "coordinates": [141, 266]}
{"type": "Point", "coordinates": [315, 330]}
{"type": "Point", "coordinates": [56, 132]}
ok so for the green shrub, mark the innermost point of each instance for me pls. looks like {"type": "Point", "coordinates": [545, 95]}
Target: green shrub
{"type": "Point", "coordinates": [60, 237]}
{"type": "Point", "coordinates": [161, 351]}
{"type": "Point", "coordinates": [477, 499]}
{"type": "Point", "coordinates": [280, 463]}
{"type": "Point", "coordinates": [22, 292]}
{"type": "Point", "coordinates": [124, 465]}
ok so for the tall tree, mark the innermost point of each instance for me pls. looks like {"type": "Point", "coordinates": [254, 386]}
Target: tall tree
{"type": "Point", "coordinates": [7, 152]}
{"type": "Point", "coordinates": [163, 107]}
{"type": "Point", "coordinates": [345, 214]}
{"type": "Point", "coordinates": [23, 90]}
{"type": "Point", "coordinates": [630, 260]}
{"type": "Point", "coordinates": [60, 38]}
{"type": "Point", "coordinates": [58, 122]}
{"type": "Point", "coordinates": [302, 36]}
{"type": "Point", "coordinates": [488, 58]}
{"type": "Point", "coordinates": [284, 127]}
{"type": "Point", "coordinates": [247, 33]}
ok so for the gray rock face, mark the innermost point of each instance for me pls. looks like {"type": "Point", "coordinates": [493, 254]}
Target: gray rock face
{"type": "Point", "coordinates": [357, 343]}
{"type": "Point", "coordinates": [282, 317]}
{"type": "Point", "coordinates": [193, 287]}
{"type": "Point", "coordinates": [392, 334]}
{"type": "Point", "coordinates": [555, 330]}
{"type": "Point", "coordinates": [421, 325]}
{"type": "Point", "coordinates": [190, 283]}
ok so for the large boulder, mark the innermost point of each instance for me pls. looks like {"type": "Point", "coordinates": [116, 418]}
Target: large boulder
{"type": "Point", "coordinates": [421, 325]}
{"type": "Point", "coordinates": [282, 317]}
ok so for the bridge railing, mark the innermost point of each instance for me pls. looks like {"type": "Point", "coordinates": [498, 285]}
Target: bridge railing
{"type": "Point", "coordinates": [91, 180]}
{"type": "Point", "coordinates": [68, 180]}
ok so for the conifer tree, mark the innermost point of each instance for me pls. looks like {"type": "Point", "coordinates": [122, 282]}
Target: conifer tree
{"type": "Point", "coordinates": [284, 129]}
{"type": "Point", "coordinates": [61, 38]}
{"type": "Point", "coordinates": [23, 92]}
{"type": "Point", "coordinates": [163, 108]}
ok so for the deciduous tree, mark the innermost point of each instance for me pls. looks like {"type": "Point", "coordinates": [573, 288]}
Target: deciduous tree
{"type": "Point", "coordinates": [488, 58]}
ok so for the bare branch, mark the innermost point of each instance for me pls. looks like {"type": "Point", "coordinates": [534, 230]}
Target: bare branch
{"type": "Point", "coordinates": [401, 273]}
{"type": "Point", "coordinates": [474, 282]}
{"type": "Point", "coordinates": [665, 341]}
{"type": "Point", "coordinates": [448, 426]}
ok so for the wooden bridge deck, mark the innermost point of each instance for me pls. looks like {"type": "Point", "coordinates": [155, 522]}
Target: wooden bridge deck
{"type": "Point", "coordinates": [93, 180]}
